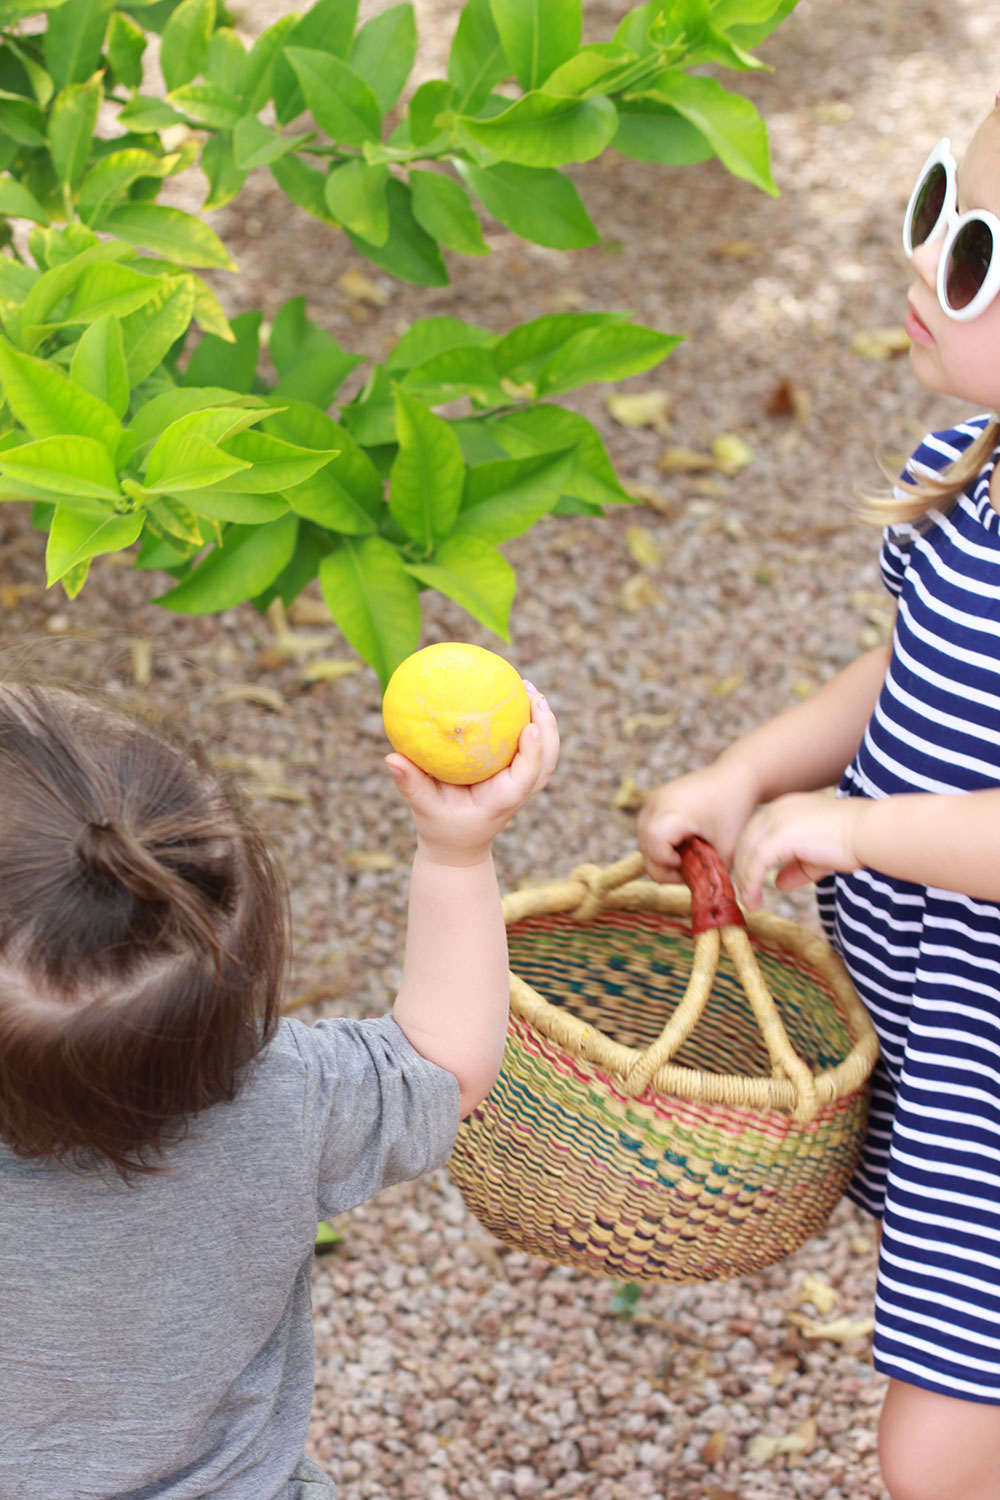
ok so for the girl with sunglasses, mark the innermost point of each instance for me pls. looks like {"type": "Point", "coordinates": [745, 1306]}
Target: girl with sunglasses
{"type": "Point", "coordinates": [907, 857]}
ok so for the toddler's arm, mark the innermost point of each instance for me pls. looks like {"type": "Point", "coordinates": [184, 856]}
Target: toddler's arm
{"type": "Point", "coordinates": [947, 841]}
{"type": "Point", "coordinates": [452, 1002]}
{"type": "Point", "coordinates": [803, 749]}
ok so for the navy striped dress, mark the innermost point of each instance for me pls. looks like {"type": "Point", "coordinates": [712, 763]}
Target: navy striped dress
{"type": "Point", "coordinates": [926, 962]}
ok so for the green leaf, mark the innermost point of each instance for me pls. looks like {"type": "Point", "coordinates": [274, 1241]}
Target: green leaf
{"type": "Point", "coordinates": [98, 363]}
{"type": "Point", "coordinates": [150, 332]}
{"type": "Point", "coordinates": [749, 23]}
{"type": "Point", "coordinates": [108, 288]}
{"type": "Point", "coordinates": [477, 60]}
{"type": "Point", "coordinates": [327, 26]}
{"type": "Point", "coordinates": [126, 45]}
{"type": "Point", "coordinates": [505, 498]}
{"type": "Point", "coordinates": [184, 45]}
{"type": "Point", "coordinates": [543, 130]}
{"type": "Point", "coordinates": [258, 72]}
{"type": "Point", "coordinates": [72, 121]}
{"type": "Point", "coordinates": [48, 404]}
{"type": "Point", "coordinates": [650, 131]}
{"type": "Point", "coordinates": [304, 185]}
{"type": "Point", "coordinates": [17, 202]}
{"type": "Point", "coordinates": [550, 429]}
{"type": "Point", "coordinates": [38, 80]}
{"type": "Point", "coordinates": [600, 68]}
{"type": "Point", "coordinates": [242, 510]}
{"type": "Point", "coordinates": [611, 353]}
{"type": "Point", "coordinates": [345, 495]}
{"type": "Point", "coordinates": [339, 100]}
{"type": "Point", "coordinates": [183, 460]}
{"type": "Point", "coordinates": [373, 600]}
{"type": "Point", "coordinates": [442, 208]}
{"type": "Point", "coordinates": [225, 176]}
{"type": "Point", "coordinates": [469, 370]}
{"type": "Point", "coordinates": [430, 100]}
{"type": "Point", "coordinates": [218, 362]}
{"type": "Point", "coordinates": [226, 62]}
{"type": "Point", "coordinates": [177, 236]}
{"type": "Point", "coordinates": [427, 475]}
{"type": "Point", "coordinates": [208, 103]}
{"type": "Point", "coordinates": [274, 464]}
{"type": "Point", "coordinates": [73, 41]}
{"type": "Point", "coordinates": [157, 415]}
{"type": "Point", "coordinates": [729, 122]}
{"type": "Point", "coordinates": [82, 530]}
{"type": "Point", "coordinates": [50, 288]}
{"type": "Point", "coordinates": [522, 353]}
{"type": "Point", "coordinates": [355, 195]}
{"type": "Point", "coordinates": [249, 559]}
{"type": "Point", "coordinates": [474, 574]}
{"type": "Point", "coordinates": [538, 204]}
{"type": "Point", "coordinates": [23, 122]}
{"type": "Point", "coordinates": [311, 365]}
{"type": "Point", "coordinates": [537, 35]}
{"type": "Point", "coordinates": [428, 336]}
{"type": "Point", "coordinates": [65, 465]}
{"type": "Point", "coordinates": [110, 178]}
{"type": "Point", "coordinates": [384, 52]}
{"type": "Point", "coordinates": [145, 116]}
{"type": "Point", "coordinates": [409, 253]}
{"type": "Point", "coordinates": [255, 145]}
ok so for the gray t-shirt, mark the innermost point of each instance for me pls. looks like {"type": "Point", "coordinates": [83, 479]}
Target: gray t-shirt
{"type": "Point", "coordinates": [164, 1329]}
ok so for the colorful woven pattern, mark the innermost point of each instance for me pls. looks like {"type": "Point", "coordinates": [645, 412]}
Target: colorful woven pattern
{"type": "Point", "coordinates": [714, 1163]}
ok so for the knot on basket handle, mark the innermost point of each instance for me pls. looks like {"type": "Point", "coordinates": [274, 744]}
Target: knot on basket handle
{"type": "Point", "coordinates": [713, 900]}
{"type": "Point", "coordinates": [598, 880]}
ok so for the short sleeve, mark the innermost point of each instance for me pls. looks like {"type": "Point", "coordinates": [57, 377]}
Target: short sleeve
{"type": "Point", "coordinates": [376, 1112]}
{"type": "Point", "coordinates": [894, 556]}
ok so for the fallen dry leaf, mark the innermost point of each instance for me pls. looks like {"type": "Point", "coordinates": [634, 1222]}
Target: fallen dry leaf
{"type": "Point", "coordinates": [784, 1365]}
{"type": "Point", "coordinates": [788, 399]}
{"type": "Point", "coordinates": [361, 288]}
{"type": "Point", "coordinates": [679, 460]}
{"type": "Point", "coordinates": [648, 494]}
{"type": "Point", "coordinates": [307, 610]}
{"type": "Point", "coordinates": [737, 249]}
{"type": "Point", "coordinates": [880, 343]}
{"type": "Point", "coordinates": [802, 1440]}
{"type": "Point", "coordinates": [371, 859]}
{"type": "Point", "coordinates": [640, 409]}
{"type": "Point", "coordinates": [819, 1292]}
{"type": "Point", "coordinates": [141, 651]}
{"type": "Point", "coordinates": [722, 687]}
{"type": "Point", "coordinates": [638, 593]}
{"type": "Point", "coordinates": [263, 778]}
{"type": "Point", "coordinates": [642, 547]}
{"type": "Point", "coordinates": [714, 1447]}
{"type": "Point", "coordinates": [252, 692]}
{"type": "Point", "coordinates": [731, 452]}
{"type": "Point", "coordinates": [839, 1330]}
{"type": "Point", "coordinates": [628, 797]}
{"type": "Point", "coordinates": [329, 669]}
{"type": "Point", "coordinates": [634, 722]}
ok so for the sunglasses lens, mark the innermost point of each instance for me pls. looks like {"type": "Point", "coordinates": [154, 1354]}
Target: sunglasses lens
{"type": "Point", "coordinates": [928, 204]}
{"type": "Point", "coordinates": [968, 263]}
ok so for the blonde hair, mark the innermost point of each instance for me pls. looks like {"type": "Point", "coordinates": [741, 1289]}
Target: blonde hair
{"type": "Point", "coordinates": [913, 497]}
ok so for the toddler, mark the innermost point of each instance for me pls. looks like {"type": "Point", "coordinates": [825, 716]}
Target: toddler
{"type": "Point", "coordinates": [167, 1143]}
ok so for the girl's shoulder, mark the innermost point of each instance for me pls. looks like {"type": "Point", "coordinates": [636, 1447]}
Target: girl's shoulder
{"type": "Point", "coordinates": [936, 450]}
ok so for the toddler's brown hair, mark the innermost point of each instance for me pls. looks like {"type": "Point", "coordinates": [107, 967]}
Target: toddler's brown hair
{"type": "Point", "coordinates": [143, 933]}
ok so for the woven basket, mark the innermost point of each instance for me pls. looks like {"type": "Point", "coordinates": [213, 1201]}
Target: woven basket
{"type": "Point", "coordinates": [655, 1118]}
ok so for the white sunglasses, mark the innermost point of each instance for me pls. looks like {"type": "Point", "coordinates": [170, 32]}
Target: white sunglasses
{"type": "Point", "coordinates": [968, 273]}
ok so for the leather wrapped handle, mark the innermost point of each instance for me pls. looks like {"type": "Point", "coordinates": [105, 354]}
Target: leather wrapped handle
{"type": "Point", "coordinates": [713, 900]}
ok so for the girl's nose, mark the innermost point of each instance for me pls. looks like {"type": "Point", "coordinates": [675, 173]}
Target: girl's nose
{"type": "Point", "coordinates": [924, 260]}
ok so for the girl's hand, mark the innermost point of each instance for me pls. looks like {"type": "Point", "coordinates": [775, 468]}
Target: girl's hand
{"type": "Point", "coordinates": [714, 803]}
{"type": "Point", "coordinates": [456, 824]}
{"type": "Point", "coordinates": [802, 836]}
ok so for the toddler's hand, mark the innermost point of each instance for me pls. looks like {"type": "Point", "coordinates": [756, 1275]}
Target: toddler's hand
{"type": "Point", "coordinates": [802, 836]}
{"type": "Point", "coordinates": [456, 824]}
{"type": "Point", "coordinates": [714, 803]}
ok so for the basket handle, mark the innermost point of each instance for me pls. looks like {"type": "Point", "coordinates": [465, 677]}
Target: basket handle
{"type": "Point", "coordinates": [716, 919]}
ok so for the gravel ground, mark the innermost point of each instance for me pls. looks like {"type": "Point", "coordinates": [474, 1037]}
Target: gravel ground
{"type": "Point", "coordinates": [449, 1366]}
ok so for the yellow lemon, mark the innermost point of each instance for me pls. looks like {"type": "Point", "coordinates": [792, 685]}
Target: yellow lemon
{"type": "Point", "coordinates": [456, 710]}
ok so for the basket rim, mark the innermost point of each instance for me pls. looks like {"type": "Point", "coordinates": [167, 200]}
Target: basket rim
{"type": "Point", "coordinates": [590, 1045]}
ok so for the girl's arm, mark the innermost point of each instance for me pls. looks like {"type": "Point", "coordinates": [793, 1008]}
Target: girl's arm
{"type": "Point", "coordinates": [948, 841]}
{"type": "Point", "coordinates": [452, 1001]}
{"type": "Point", "coordinates": [803, 749]}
